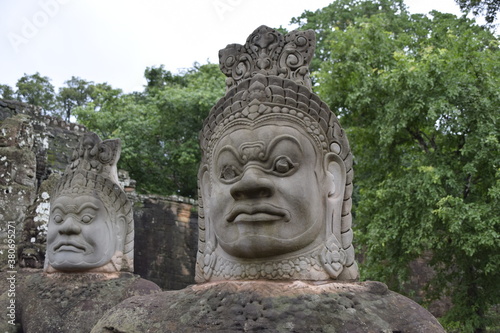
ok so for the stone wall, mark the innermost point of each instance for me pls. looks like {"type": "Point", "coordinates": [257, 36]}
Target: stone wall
{"type": "Point", "coordinates": [34, 151]}
{"type": "Point", "coordinates": [32, 147]}
{"type": "Point", "coordinates": [166, 238]}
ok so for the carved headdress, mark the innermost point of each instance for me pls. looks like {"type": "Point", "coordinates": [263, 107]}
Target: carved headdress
{"type": "Point", "coordinates": [268, 79]}
{"type": "Point", "coordinates": [93, 172]}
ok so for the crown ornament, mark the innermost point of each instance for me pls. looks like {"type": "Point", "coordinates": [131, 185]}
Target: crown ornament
{"type": "Point", "coordinates": [269, 52]}
{"type": "Point", "coordinates": [96, 156]}
{"type": "Point", "coordinates": [268, 82]}
{"type": "Point", "coordinates": [93, 171]}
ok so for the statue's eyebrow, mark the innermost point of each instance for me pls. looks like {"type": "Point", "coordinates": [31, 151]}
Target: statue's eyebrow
{"type": "Point", "coordinates": [264, 149]}
{"type": "Point", "coordinates": [280, 138]}
{"type": "Point", "coordinates": [233, 151]}
{"type": "Point", "coordinates": [73, 208]}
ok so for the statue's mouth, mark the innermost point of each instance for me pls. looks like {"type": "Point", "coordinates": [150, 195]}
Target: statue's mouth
{"type": "Point", "coordinates": [257, 213]}
{"type": "Point", "coordinates": [69, 247]}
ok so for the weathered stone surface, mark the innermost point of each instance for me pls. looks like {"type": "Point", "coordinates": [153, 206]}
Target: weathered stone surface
{"type": "Point", "coordinates": [91, 226]}
{"type": "Point", "coordinates": [17, 179]}
{"type": "Point", "coordinates": [18, 167]}
{"type": "Point", "coordinates": [275, 199]}
{"type": "Point", "coordinates": [8, 108]}
{"type": "Point", "coordinates": [276, 170]}
{"type": "Point", "coordinates": [167, 222]}
{"type": "Point", "coordinates": [266, 306]}
{"type": "Point", "coordinates": [268, 52]}
{"type": "Point", "coordinates": [17, 132]}
{"type": "Point", "coordinates": [166, 236]}
{"type": "Point", "coordinates": [32, 249]}
{"type": "Point", "coordinates": [69, 303]}
{"type": "Point", "coordinates": [31, 148]}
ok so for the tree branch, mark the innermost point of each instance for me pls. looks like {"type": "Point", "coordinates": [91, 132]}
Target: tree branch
{"type": "Point", "coordinates": [417, 135]}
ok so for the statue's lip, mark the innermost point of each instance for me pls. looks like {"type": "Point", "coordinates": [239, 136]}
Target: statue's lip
{"type": "Point", "coordinates": [257, 213]}
{"type": "Point", "coordinates": [69, 246]}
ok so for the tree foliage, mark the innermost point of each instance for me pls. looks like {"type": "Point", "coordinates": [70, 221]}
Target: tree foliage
{"type": "Point", "coordinates": [159, 77]}
{"type": "Point", "coordinates": [340, 15]}
{"type": "Point", "coordinates": [419, 98]}
{"type": "Point", "coordinates": [36, 90]}
{"type": "Point", "coordinates": [81, 93]}
{"type": "Point", "coordinates": [6, 92]}
{"type": "Point", "coordinates": [488, 8]}
{"type": "Point", "coordinates": [159, 127]}
{"type": "Point", "coordinates": [76, 93]}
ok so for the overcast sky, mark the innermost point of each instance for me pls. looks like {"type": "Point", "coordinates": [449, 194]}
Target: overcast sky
{"type": "Point", "coordinates": [115, 40]}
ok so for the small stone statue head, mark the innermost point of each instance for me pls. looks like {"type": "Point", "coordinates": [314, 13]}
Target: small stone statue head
{"type": "Point", "coordinates": [276, 172]}
{"type": "Point", "coordinates": [91, 222]}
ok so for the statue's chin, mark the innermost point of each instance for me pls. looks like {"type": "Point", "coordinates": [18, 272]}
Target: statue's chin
{"type": "Point", "coordinates": [79, 264]}
{"type": "Point", "coordinates": [261, 246]}
{"type": "Point", "coordinates": [69, 266]}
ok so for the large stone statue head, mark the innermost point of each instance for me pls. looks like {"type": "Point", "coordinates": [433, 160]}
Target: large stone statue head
{"type": "Point", "coordinates": [91, 221]}
{"type": "Point", "coordinates": [276, 172]}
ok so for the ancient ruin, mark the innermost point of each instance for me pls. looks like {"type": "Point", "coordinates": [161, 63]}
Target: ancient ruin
{"type": "Point", "coordinates": [91, 226]}
{"type": "Point", "coordinates": [276, 172]}
{"type": "Point", "coordinates": [275, 241]}
{"type": "Point", "coordinates": [35, 150]}
{"type": "Point", "coordinates": [90, 242]}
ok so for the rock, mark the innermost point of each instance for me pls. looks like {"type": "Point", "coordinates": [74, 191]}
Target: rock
{"type": "Point", "coordinates": [70, 302]}
{"type": "Point", "coordinates": [267, 306]}
{"type": "Point", "coordinates": [34, 152]}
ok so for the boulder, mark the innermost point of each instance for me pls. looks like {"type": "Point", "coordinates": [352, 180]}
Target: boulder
{"type": "Point", "coordinates": [271, 306]}
{"type": "Point", "coordinates": [73, 302]}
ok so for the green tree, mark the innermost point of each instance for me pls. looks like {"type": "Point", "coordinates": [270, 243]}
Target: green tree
{"type": "Point", "coordinates": [36, 90]}
{"type": "Point", "coordinates": [75, 93]}
{"type": "Point", "coordinates": [105, 112]}
{"type": "Point", "coordinates": [419, 99]}
{"type": "Point", "coordinates": [342, 14]}
{"type": "Point", "coordinates": [488, 8]}
{"type": "Point", "coordinates": [103, 95]}
{"type": "Point", "coordinates": [159, 128]}
{"type": "Point", "coordinates": [159, 77]}
{"type": "Point", "coordinates": [6, 91]}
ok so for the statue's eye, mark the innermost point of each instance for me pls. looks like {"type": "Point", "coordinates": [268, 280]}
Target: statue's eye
{"type": "Point", "coordinates": [58, 219]}
{"type": "Point", "coordinates": [283, 165]}
{"type": "Point", "coordinates": [87, 218]}
{"type": "Point", "coordinates": [228, 172]}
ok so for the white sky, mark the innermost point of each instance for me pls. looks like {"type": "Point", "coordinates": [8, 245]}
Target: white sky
{"type": "Point", "coordinates": [115, 40]}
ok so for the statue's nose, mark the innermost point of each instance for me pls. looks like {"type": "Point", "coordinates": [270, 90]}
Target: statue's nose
{"type": "Point", "coordinates": [253, 185]}
{"type": "Point", "coordinates": [69, 226]}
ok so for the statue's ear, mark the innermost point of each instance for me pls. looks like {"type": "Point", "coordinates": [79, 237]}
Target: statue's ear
{"type": "Point", "coordinates": [205, 184]}
{"type": "Point", "coordinates": [336, 176]}
{"type": "Point", "coordinates": [120, 225]}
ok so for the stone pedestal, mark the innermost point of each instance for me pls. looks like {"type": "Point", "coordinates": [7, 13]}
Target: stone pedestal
{"type": "Point", "coordinates": [265, 306]}
{"type": "Point", "coordinates": [72, 303]}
